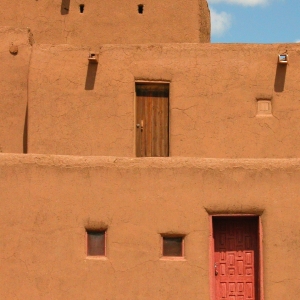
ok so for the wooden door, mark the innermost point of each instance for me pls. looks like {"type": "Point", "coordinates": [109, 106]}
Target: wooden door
{"type": "Point", "coordinates": [236, 258]}
{"type": "Point", "coordinates": [152, 119]}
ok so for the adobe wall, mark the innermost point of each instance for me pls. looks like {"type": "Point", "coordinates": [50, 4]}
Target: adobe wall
{"type": "Point", "coordinates": [15, 50]}
{"type": "Point", "coordinates": [109, 22]}
{"type": "Point", "coordinates": [45, 208]}
{"type": "Point", "coordinates": [81, 109]}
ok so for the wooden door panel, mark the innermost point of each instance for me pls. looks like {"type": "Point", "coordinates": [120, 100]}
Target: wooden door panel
{"type": "Point", "coordinates": [152, 120]}
{"type": "Point", "coordinates": [147, 132]}
{"type": "Point", "coordinates": [140, 116]}
{"type": "Point", "coordinates": [236, 258]}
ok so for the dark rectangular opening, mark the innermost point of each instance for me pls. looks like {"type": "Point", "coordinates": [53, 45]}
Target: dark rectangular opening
{"type": "Point", "coordinates": [65, 7]}
{"type": "Point", "coordinates": [81, 8]}
{"type": "Point", "coordinates": [173, 246]}
{"type": "Point", "coordinates": [96, 242]}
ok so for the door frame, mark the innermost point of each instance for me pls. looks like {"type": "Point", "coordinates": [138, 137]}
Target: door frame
{"type": "Point", "coordinates": [136, 81]}
{"type": "Point", "coordinates": [212, 253]}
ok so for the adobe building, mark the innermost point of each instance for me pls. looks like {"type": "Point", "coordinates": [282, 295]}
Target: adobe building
{"type": "Point", "coordinates": [139, 161]}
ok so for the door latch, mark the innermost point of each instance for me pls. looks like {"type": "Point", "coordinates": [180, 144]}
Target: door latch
{"type": "Point", "coordinates": [216, 269]}
{"type": "Point", "coordinates": [140, 125]}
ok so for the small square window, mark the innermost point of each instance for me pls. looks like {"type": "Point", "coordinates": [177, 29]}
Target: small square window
{"type": "Point", "coordinates": [96, 242]}
{"type": "Point", "coordinates": [172, 246]}
{"type": "Point", "coordinates": [283, 58]}
{"type": "Point", "coordinates": [264, 107]}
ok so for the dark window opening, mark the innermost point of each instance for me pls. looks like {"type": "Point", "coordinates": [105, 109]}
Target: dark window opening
{"type": "Point", "coordinates": [81, 8]}
{"type": "Point", "coordinates": [141, 8]}
{"type": "Point", "coordinates": [96, 242]}
{"type": "Point", "coordinates": [65, 7]}
{"type": "Point", "coordinates": [173, 246]}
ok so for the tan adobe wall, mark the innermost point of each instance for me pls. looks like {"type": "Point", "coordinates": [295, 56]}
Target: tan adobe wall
{"type": "Point", "coordinates": [45, 208]}
{"type": "Point", "coordinates": [109, 22]}
{"type": "Point", "coordinates": [77, 109]}
{"type": "Point", "coordinates": [15, 50]}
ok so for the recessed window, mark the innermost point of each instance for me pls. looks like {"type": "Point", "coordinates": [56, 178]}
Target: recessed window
{"type": "Point", "coordinates": [65, 7]}
{"type": "Point", "coordinates": [141, 9]}
{"type": "Point", "coordinates": [264, 107]}
{"type": "Point", "coordinates": [81, 8]}
{"type": "Point", "coordinates": [96, 242]}
{"type": "Point", "coordinates": [283, 58]}
{"type": "Point", "coordinates": [172, 246]}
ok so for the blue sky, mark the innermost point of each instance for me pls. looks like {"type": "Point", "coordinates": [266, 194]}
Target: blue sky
{"type": "Point", "coordinates": [255, 21]}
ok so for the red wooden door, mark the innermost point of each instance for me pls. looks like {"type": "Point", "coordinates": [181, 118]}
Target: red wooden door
{"type": "Point", "coordinates": [152, 119]}
{"type": "Point", "coordinates": [236, 258]}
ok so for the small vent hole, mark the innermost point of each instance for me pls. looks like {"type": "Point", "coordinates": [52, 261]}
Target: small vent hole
{"type": "Point", "coordinates": [81, 8]}
{"type": "Point", "coordinates": [140, 8]}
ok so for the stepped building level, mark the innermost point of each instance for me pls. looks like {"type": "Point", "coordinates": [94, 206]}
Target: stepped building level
{"type": "Point", "coordinates": [141, 162]}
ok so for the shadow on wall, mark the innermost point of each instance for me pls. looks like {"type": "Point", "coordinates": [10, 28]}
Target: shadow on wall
{"type": "Point", "coordinates": [65, 6]}
{"type": "Point", "coordinates": [25, 131]}
{"type": "Point", "coordinates": [91, 76]}
{"type": "Point", "coordinates": [280, 77]}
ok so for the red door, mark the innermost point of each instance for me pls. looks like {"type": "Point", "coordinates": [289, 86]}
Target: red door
{"type": "Point", "coordinates": [236, 258]}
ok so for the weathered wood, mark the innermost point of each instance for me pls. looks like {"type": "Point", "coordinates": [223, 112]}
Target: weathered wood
{"type": "Point", "coordinates": [152, 119]}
